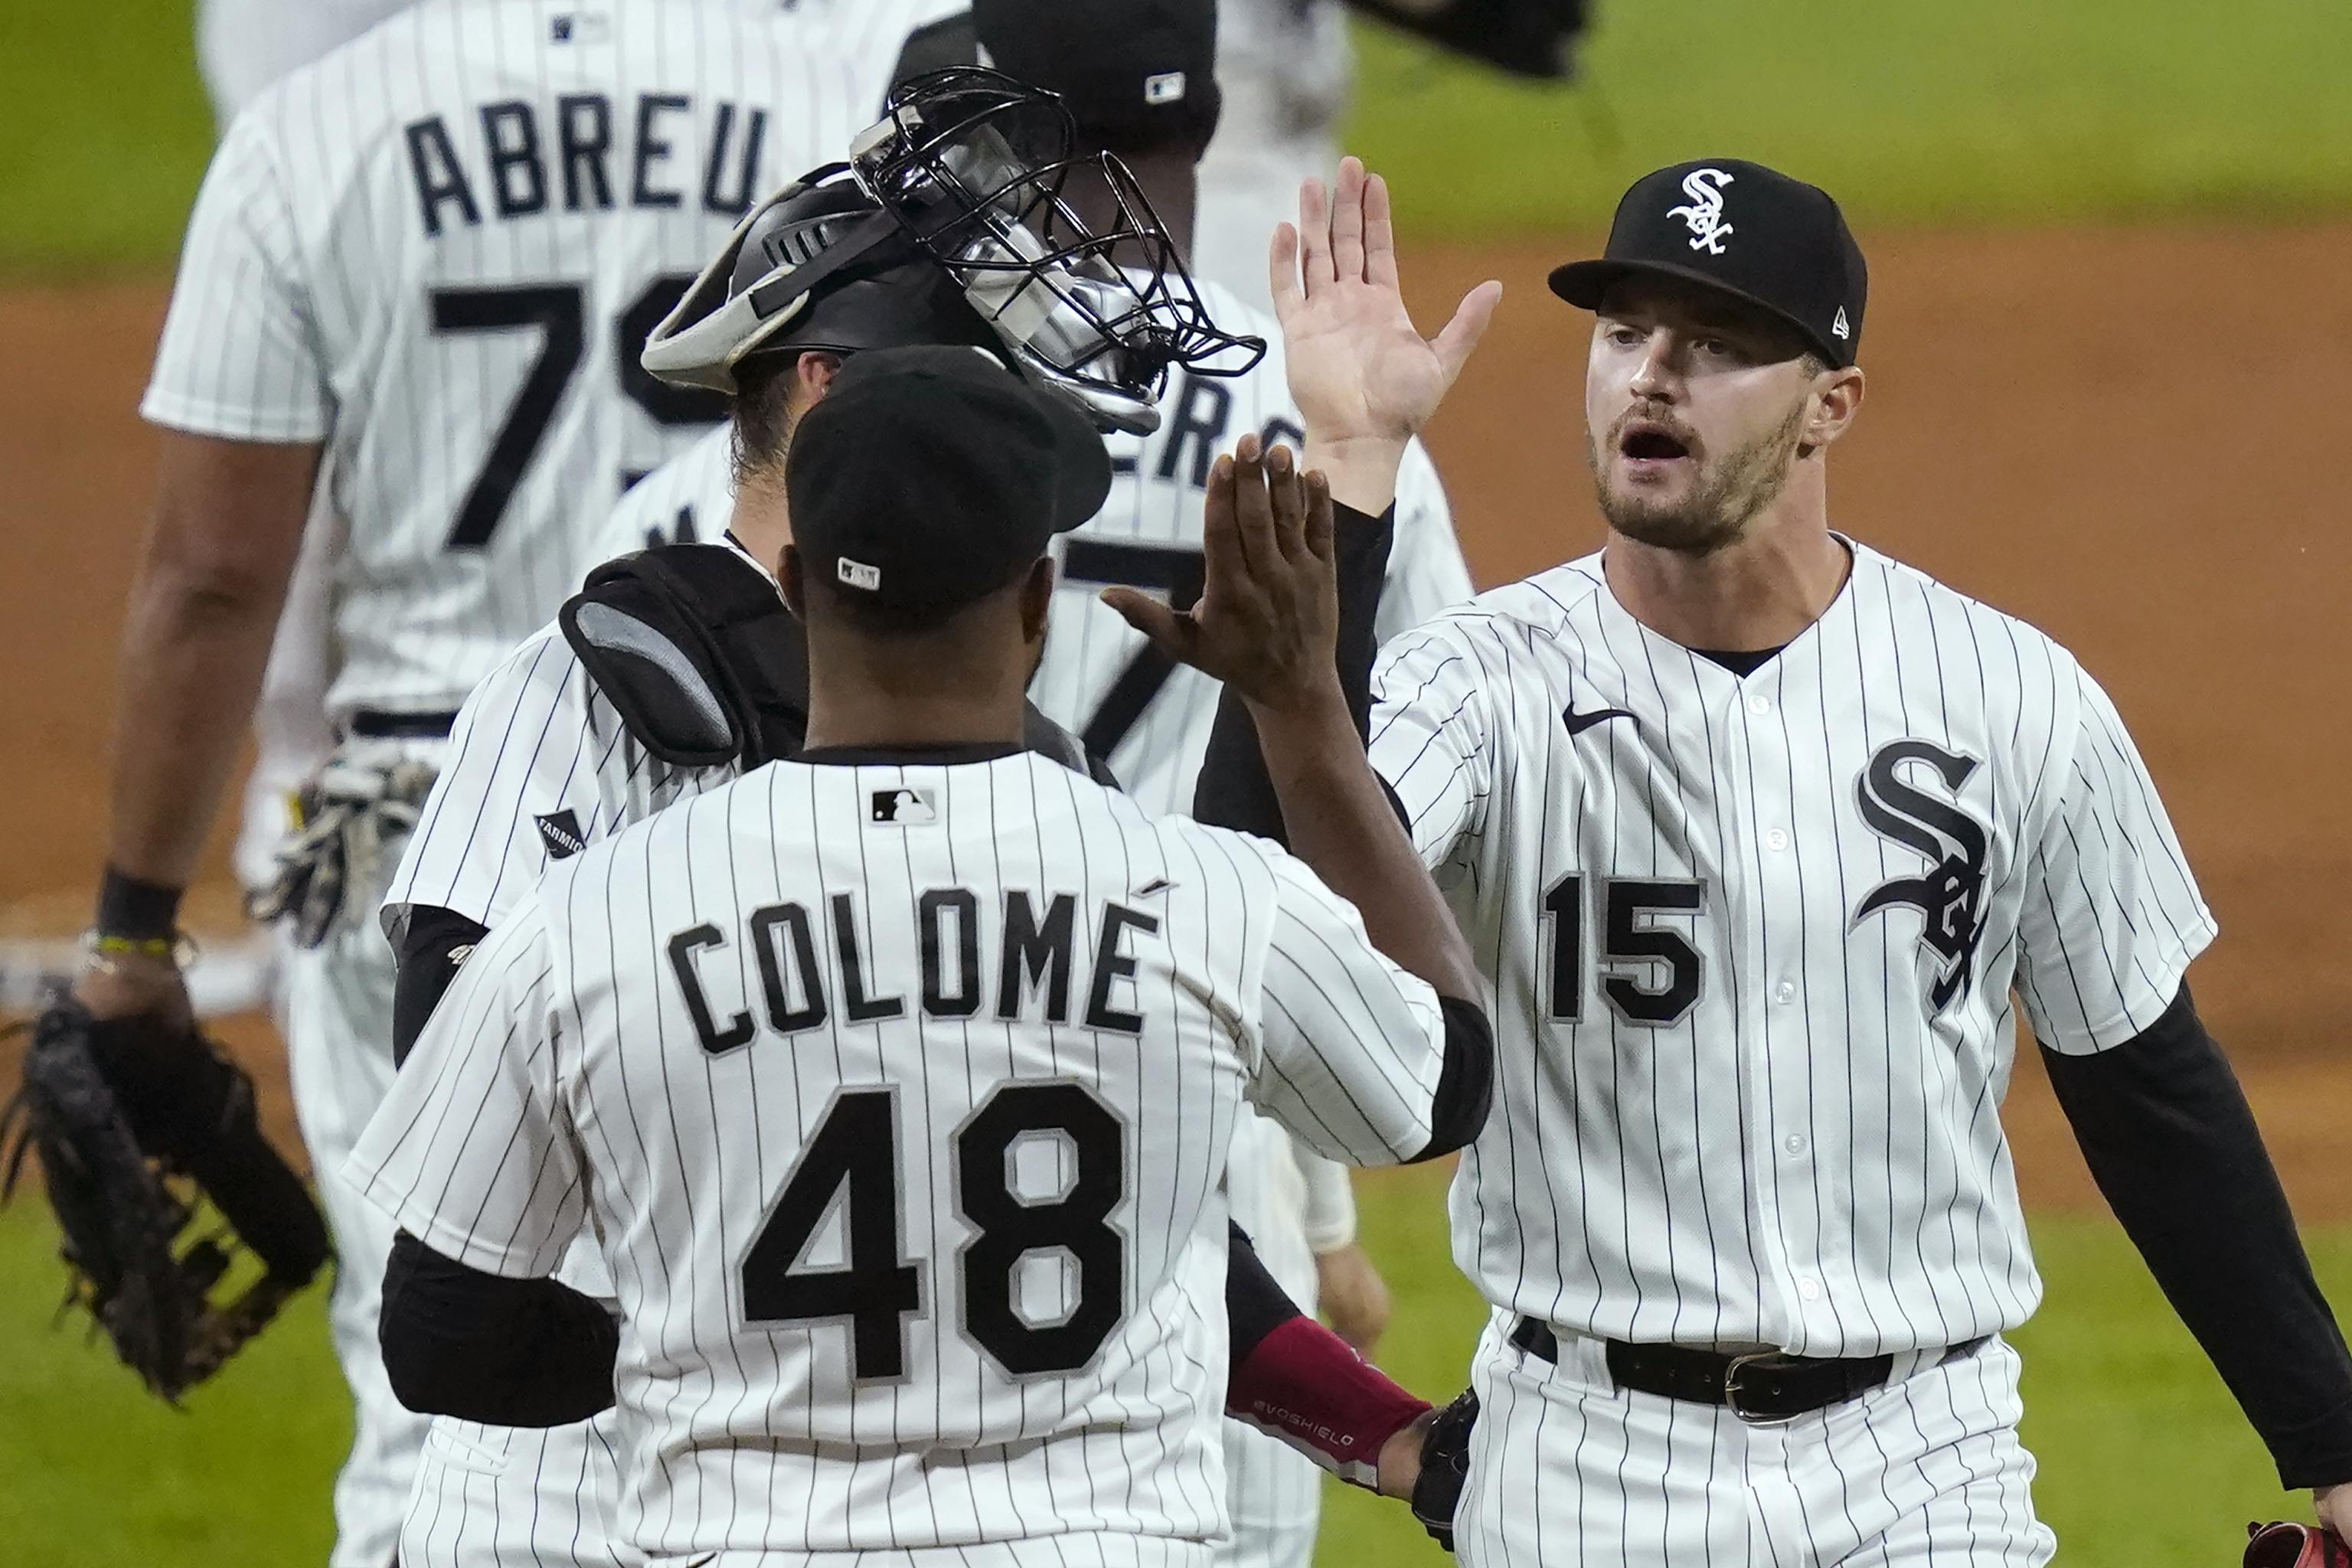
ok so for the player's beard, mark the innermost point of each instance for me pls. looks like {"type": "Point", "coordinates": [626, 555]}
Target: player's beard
{"type": "Point", "coordinates": [1727, 497]}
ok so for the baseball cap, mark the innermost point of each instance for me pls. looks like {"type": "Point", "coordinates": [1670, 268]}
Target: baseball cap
{"type": "Point", "coordinates": [928, 478]}
{"type": "Point", "coordinates": [1745, 230]}
{"type": "Point", "coordinates": [1133, 72]}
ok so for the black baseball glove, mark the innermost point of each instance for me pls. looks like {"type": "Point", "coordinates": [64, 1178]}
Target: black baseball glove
{"type": "Point", "coordinates": [1444, 1466]}
{"type": "Point", "coordinates": [139, 1124]}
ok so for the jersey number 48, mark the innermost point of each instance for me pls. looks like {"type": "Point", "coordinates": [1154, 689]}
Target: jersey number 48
{"type": "Point", "coordinates": [852, 1163]}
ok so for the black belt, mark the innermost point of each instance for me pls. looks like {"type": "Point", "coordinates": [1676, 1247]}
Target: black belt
{"type": "Point", "coordinates": [372, 724]}
{"type": "Point", "coordinates": [1767, 1386]}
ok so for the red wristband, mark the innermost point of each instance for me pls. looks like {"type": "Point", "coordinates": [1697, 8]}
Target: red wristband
{"type": "Point", "coordinates": [1307, 1386]}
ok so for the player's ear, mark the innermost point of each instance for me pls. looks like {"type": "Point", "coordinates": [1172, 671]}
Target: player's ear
{"type": "Point", "coordinates": [1837, 398]}
{"type": "Point", "coordinates": [789, 579]}
{"type": "Point", "coordinates": [1036, 599]}
{"type": "Point", "coordinates": [817, 370]}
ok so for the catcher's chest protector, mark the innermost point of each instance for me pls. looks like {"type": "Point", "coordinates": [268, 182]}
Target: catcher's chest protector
{"type": "Point", "coordinates": [693, 647]}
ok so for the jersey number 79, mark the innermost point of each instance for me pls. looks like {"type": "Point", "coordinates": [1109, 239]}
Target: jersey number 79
{"type": "Point", "coordinates": [560, 313]}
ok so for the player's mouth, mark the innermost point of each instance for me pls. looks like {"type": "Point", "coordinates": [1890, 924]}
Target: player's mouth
{"type": "Point", "coordinates": [1651, 451]}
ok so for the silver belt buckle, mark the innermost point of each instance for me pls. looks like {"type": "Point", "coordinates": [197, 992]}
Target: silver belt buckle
{"type": "Point", "coordinates": [1731, 1389]}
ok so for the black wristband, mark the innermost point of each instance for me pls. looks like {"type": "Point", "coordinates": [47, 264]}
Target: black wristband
{"type": "Point", "coordinates": [142, 911]}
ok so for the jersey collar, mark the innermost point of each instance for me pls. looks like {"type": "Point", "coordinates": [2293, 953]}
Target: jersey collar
{"type": "Point", "coordinates": [910, 756]}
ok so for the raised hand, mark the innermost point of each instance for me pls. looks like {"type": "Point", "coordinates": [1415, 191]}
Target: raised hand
{"type": "Point", "coordinates": [1267, 622]}
{"type": "Point", "coordinates": [1362, 374]}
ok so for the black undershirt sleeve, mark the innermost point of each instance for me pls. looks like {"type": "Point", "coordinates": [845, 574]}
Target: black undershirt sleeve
{"type": "Point", "coordinates": [1255, 1305]}
{"type": "Point", "coordinates": [425, 951]}
{"type": "Point", "coordinates": [1466, 1082]}
{"type": "Point", "coordinates": [1233, 789]}
{"type": "Point", "coordinates": [2172, 1143]}
{"type": "Point", "coordinates": [506, 1352]}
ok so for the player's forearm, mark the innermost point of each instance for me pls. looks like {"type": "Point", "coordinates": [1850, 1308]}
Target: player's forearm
{"type": "Point", "coordinates": [2169, 1136]}
{"type": "Point", "coordinates": [1340, 821]}
{"type": "Point", "coordinates": [1362, 470]}
{"type": "Point", "coordinates": [196, 639]}
{"type": "Point", "coordinates": [192, 661]}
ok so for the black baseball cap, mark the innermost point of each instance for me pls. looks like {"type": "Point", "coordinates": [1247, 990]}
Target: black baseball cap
{"type": "Point", "coordinates": [1135, 73]}
{"type": "Point", "coordinates": [1745, 230]}
{"type": "Point", "coordinates": [928, 478]}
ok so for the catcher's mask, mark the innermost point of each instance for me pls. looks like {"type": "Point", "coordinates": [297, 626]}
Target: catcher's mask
{"type": "Point", "coordinates": [966, 176]}
{"type": "Point", "coordinates": [817, 266]}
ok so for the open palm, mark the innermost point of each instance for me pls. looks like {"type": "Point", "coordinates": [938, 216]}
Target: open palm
{"type": "Point", "coordinates": [1359, 370]}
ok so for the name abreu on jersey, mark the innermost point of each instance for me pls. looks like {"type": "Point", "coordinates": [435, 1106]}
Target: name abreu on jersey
{"type": "Point", "coordinates": [438, 251]}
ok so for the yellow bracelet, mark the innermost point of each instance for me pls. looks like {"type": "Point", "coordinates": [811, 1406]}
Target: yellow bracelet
{"type": "Point", "coordinates": [176, 950]}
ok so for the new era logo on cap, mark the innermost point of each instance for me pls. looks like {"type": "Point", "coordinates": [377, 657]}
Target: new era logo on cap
{"type": "Point", "coordinates": [1168, 87]}
{"type": "Point", "coordinates": [1838, 328]}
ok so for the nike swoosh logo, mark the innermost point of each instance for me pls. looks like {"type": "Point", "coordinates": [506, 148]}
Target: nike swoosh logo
{"type": "Point", "coordinates": [1578, 723]}
{"type": "Point", "coordinates": [1157, 885]}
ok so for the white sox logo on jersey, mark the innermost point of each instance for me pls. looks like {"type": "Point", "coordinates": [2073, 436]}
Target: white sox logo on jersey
{"type": "Point", "coordinates": [1704, 213]}
{"type": "Point", "coordinates": [1951, 894]}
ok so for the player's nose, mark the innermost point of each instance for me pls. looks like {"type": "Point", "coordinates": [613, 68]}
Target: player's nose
{"type": "Point", "coordinates": [1657, 372]}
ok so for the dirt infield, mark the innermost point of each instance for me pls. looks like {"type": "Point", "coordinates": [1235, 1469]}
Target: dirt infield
{"type": "Point", "coordinates": [2125, 437]}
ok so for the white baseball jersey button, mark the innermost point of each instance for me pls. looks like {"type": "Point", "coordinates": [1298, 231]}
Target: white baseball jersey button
{"type": "Point", "coordinates": [1795, 1144]}
{"type": "Point", "coordinates": [1776, 839]}
{"type": "Point", "coordinates": [1810, 1288]}
{"type": "Point", "coordinates": [1759, 704]}
{"type": "Point", "coordinates": [1785, 993]}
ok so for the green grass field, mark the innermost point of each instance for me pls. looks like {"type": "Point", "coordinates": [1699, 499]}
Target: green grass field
{"type": "Point", "coordinates": [2005, 110]}
{"type": "Point", "coordinates": [2145, 1462]}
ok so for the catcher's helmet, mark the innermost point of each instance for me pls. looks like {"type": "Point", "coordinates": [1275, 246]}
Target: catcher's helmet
{"type": "Point", "coordinates": [963, 180]}
{"type": "Point", "coordinates": [817, 266]}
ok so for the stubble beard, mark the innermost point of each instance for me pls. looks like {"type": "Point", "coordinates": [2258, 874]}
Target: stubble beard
{"type": "Point", "coordinates": [1717, 512]}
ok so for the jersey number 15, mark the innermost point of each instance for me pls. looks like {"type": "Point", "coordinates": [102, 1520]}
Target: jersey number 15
{"type": "Point", "coordinates": [1650, 973]}
{"type": "Point", "coordinates": [851, 1163]}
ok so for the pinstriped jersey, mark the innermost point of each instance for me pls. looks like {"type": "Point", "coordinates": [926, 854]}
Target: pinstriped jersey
{"type": "Point", "coordinates": [438, 251]}
{"type": "Point", "coordinates": [1754, 946]}
{"type": "Point", "coordinates": [540, 766]}
{"type": "Point", "coordinates": [899, 1094]}
{"type": "Point", "coordinates": [1100, 679]}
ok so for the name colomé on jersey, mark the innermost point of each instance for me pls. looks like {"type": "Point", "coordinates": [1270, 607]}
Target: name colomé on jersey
{"type": "Point", "coordinates": [1029, 974]}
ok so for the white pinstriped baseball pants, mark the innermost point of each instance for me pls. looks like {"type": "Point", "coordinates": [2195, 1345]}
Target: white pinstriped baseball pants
{"type": "Point", "coordinates": [337, 1023]}
{"type": "Point", "coordinates": [1925, 1472]}
{"type": "Point", "coordinates": [512, 1498]}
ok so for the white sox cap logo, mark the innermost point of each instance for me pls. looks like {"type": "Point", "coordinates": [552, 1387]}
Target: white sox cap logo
{"type": "Point", "coordinates": [1702, 214]}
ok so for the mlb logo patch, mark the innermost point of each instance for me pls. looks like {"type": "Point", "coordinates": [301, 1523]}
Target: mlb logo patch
{"type": "Point", "coordinates": [904, 806]}
{"type": "Point", "coordinates": [1168, 87]}
{"type": "Point", "coordinates": [856, 574]}
{"type": "Point", "coordinates": [560, 832]}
